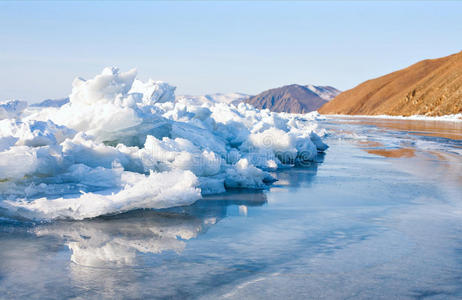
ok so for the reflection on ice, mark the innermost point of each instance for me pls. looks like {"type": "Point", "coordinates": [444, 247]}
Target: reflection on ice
{"type": "Point", "coordinates": [121, 239]}
{"type": "Point", "coordinates": [298, 176]}
{"type": "Point", "coordinates": [243, 211]}
{"type": "Point", "coordinates": [118, 240]}
{"type": "Point", "coordinates": [393, 153]}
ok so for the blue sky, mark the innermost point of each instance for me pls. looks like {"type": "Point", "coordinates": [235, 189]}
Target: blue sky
{"type": "Point", "coordinates": [204, 47]}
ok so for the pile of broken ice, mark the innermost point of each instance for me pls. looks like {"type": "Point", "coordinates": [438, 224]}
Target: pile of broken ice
{"type": "Point", "coordinates": [120, 144]}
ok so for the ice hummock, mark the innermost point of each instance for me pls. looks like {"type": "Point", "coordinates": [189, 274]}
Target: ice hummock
{"type": "Point", "coordinates": [120, 144]}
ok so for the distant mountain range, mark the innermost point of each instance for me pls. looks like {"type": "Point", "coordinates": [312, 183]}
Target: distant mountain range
{"type": "Point", "coordinates": [430, 87]}
{"type": "Point", "coordinates": [294, 98]}
{"type": "Point", "coordinates": [230, 98]}
{"type": "Point", "coordinates": [51, 103]}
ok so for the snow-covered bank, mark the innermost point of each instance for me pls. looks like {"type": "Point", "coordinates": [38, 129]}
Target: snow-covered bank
{"type": "Point", "coordinates": [448, 118]}
{"type": "Point", "coordinates": [121, 144]}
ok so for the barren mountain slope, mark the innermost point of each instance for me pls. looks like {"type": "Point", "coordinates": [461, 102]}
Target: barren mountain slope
{"type": "Point", "coordinates": [430, 87]}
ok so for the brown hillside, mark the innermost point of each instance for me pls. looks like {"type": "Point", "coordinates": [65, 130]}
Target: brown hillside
{"type": "Point", "coordinates": [430, 87]}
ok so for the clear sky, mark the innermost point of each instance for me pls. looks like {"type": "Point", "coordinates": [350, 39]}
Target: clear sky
{"type": "Point", "coordinates": [205, 47]}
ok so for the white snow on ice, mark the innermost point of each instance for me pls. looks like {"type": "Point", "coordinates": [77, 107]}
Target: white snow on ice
{"type": "Point", "coordinates": [448, 118]}
{"type": "Point", "coordinates": [120, 144]}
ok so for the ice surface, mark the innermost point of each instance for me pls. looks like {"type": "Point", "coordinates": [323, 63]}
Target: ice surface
{"type": "Point", "coordinates": [120, 144]}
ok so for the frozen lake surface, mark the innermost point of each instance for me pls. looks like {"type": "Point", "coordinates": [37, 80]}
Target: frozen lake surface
{"type": "Point", "coordinates": [379, 216]}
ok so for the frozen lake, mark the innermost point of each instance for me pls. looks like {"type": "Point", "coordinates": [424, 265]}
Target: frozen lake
{"type": "Point", "coordinates": [379, 216]}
